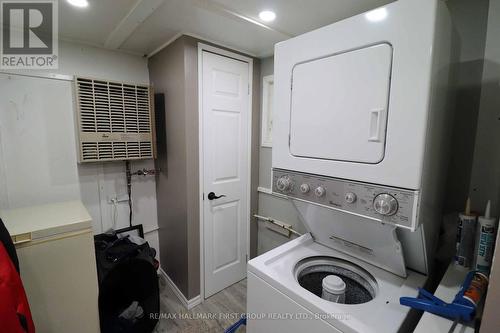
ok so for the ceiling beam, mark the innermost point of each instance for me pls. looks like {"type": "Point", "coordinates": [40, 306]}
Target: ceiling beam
{"type": "Point", "coordinates": [135, 17]}
{"type": "Point", "coordinates": [220, 9]}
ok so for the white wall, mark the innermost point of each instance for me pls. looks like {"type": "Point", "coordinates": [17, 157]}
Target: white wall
{"type": "Point", "coordinates": [38, 148]}
{"type": "Point", "coordinates": [36, 165]}
{"type": "Point", "coordinates": [84, 60]}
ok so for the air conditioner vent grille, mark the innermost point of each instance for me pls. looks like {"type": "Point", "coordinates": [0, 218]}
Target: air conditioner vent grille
{"type": "Point", "coordinates": [115, 120]}
{"type": "Point", "coordinates": [111, 151]}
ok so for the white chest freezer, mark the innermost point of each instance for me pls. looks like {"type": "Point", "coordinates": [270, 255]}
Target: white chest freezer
{"type": "Point", "coordinates": [55, 247]}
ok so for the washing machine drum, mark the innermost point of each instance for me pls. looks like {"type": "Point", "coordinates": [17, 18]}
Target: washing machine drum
{"type": "Point", "coordinates": [360, 286]}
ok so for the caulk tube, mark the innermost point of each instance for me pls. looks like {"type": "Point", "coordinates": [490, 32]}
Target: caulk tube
{"type": "Point", "coordinates": [486, 233]}
{"type": "Point", "coordinates": [466, 237]}
{"type": "Point", "coordinates": [473, 289]}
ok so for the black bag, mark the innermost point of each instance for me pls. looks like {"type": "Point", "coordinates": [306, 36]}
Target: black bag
{"type": "Point", "coordinates": [126, 274]}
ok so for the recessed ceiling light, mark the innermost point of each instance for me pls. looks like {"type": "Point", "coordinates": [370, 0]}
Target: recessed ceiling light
{"type": "Point", "coordinates": [78, 3]}
{"type": "Point", "coordinates": [267, 15]}
{"type": "Point", "coordinates": [377, 15]}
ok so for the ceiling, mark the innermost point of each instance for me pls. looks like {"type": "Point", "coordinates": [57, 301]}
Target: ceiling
{"type": "Point", "coordinates": [144, 26]}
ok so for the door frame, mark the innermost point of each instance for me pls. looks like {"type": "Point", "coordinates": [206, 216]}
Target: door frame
{"type": "Point", "coordinates": [222, 52]}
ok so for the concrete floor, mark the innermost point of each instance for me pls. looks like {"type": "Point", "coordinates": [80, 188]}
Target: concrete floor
{"type": "Point", "coordinates": [214, 315]}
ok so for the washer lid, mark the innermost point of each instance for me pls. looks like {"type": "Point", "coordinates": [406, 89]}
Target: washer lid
{"type": "Point", "coordinates": [374, 243]}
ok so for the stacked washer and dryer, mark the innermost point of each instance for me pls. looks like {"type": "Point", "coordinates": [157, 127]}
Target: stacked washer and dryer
{"type": "Point", "coordinates": [361, 124]}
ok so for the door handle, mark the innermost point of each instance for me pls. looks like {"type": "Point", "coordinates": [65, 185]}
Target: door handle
{"type": "Point", "coordinates": [375, 117]}
{"type": "Point", "coordinates": [212, 196]}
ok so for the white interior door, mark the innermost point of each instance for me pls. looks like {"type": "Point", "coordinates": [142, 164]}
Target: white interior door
{"type": "Point", "coordinates": [226, 122]}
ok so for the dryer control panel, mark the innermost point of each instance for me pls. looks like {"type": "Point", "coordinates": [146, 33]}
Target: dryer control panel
{"type": "Point", "coordinates": [381, 203]}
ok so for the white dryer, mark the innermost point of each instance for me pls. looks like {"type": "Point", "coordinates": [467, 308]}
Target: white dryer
{"type": "Point", "coordinates": [359, 147]}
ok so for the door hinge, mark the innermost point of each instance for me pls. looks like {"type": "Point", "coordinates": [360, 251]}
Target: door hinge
{"type": "Point", "coordinates": [246, 256]}
{"type": "Point", "coordinates": [203, 196]}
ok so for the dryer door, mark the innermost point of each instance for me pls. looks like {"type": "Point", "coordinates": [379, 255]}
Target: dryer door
{"type": "Point", "coordinates": [339, 105]}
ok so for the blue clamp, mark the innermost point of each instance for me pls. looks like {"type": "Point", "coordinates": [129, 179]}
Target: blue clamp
{"type": "Point", "coordinates": [430, 303]}
{"type": "Point", "coordinates": [233, 328]}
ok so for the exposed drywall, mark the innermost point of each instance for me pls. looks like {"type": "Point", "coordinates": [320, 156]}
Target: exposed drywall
{"type": "Point", "coordinates": [265, 165]}
{"type": "Point", "coordinates": [271, 205]}
{"type": "Point", "coordinates": [174, 72]}
{"type": "Point", "coordinates": [61, 178]}
{"type": "Point", "coordinates": [255, 156]}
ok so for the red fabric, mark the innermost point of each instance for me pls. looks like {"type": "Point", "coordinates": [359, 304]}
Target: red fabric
{"type": "Point", "coordinates": [13, 299]}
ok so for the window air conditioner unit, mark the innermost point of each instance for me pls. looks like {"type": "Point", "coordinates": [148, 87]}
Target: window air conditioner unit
{"type": "Point", "coordinates": [115, 121]}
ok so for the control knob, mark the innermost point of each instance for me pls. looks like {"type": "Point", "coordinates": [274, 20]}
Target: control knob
{"type": "Point", "coordinates": [385, 204]}
{"type": "Point", "coordinates": [304, 188]}
{"type": "Point", "coordinates": [284, 184]}
{"type": "Point", "coordinates": [350, 197]}
{"type": "Point", "coordinates": [319, 191]}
